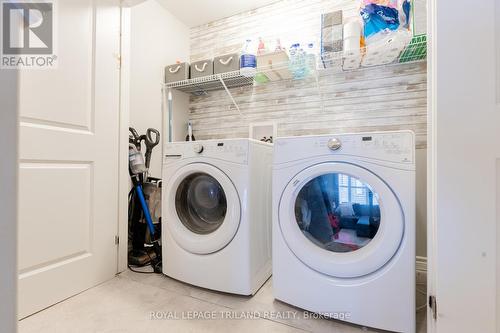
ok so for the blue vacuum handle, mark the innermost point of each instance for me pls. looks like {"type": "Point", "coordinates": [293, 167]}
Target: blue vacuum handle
{"type": "Point", "coordinates": [145, 209]}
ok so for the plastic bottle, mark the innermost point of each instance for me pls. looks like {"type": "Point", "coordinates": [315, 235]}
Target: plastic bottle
{"type": "Point", "coordinates": [262, 49]}
{"type": "Point", "coordinates": [311, 57]}
{"type": "Point", "coordinates": [278, 47]}
{"type": "Point", "coordinates": [298, 65]}
{"type": "Point", "coordinates": [292, 65]}
{"type": "Point", "coordinates": [248, 60]}
{"type": "Point", "coordinates": [303, 69]}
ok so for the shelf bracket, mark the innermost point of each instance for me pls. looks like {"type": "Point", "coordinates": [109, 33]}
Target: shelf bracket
{"type": "Point", "coordinates": [230, 96]}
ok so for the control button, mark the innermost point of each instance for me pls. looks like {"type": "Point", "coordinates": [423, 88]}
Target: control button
{"type": "Point", "coordinates": [334, 144]}
{"type": "Point", "coordinates": [198, 148]}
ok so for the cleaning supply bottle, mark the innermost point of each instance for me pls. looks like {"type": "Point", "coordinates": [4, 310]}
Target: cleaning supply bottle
{"type": "Point", "coordinates": [190, 136]}
{"type": "Point", "coordinates": [248, 60]}
{"type": "Point", "coordinates": [262, 49]}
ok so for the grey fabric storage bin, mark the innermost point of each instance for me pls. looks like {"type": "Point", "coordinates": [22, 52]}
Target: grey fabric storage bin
{"type": "Point", "coordinates": [332, 18]}
{"type": "Point", "coordinates": [332, 32]}
{"type": "Point", "coordinates": [332, 39]}
{"type": "Point", "coordinates": [177, 72]}
{"type": "Point", "coordinates": [227, 63]}
{"type": "Point", "coordinates": [202, 68]}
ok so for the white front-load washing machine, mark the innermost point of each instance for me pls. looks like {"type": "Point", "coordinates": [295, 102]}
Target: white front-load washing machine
{"type": "Point", "coordinates": [344, 227]}
{"type": "Point", "coordinates": [217, 214]}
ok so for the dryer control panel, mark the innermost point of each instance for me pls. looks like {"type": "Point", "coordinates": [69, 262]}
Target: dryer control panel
{"type": "Point", "coordinates": [397, 147]}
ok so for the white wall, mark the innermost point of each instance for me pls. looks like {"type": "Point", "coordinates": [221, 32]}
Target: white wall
{"type": "Point", "coordinates": [8, 199]}
{"type": "Point", "coordinates": [157, 39]}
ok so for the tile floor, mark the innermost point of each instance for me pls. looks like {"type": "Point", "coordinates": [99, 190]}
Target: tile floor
{"type": "Point", "coordinates": [127, 303]}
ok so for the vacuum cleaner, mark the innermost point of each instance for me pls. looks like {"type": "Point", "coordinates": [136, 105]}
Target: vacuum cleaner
{"type": "Point", "coordinates": [145, 243]}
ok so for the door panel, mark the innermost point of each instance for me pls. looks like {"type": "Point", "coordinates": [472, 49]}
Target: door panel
{"type": "Point", "coordinates": [71, 198]}
{"type": "Point", "coordinates": [71, 84]}
{"type": "Point", "coordinates": [69, 159]}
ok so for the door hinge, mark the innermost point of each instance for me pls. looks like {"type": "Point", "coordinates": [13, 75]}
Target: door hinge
{"type": "Point", "coordinates": [117, 240]}
{"type": "Point", "coordinates": [118, 58]}
{"type": "Point", "coordinates": [433, 306]}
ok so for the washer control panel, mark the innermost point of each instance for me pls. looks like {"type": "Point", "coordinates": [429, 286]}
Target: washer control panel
{"type": "Point", "coordinates": [235, 150]}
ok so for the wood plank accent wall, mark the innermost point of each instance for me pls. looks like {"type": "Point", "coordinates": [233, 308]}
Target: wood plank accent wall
{"type": "Point", "coordinates": [376, 99]}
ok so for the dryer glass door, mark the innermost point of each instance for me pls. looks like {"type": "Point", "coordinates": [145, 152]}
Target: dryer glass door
{"type": "Point", "coordinates": [341, 219]}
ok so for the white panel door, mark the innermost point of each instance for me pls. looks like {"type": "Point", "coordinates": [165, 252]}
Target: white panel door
{"type": "Point", "coordinates": [464, 159]}
{"type": "Point", "coordinates": [68, 185]}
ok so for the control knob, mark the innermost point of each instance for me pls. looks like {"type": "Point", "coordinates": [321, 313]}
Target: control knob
{"type": "Point", "coordinates": [198, 148]}
{"type": "Point", "coordinates": [334, 144]}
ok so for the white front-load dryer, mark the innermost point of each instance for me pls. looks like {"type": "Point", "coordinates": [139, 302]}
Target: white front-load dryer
{"type": "Point", "coordinates": [344, 227]}
{"type": "Point", "coordinates": [217, 214]}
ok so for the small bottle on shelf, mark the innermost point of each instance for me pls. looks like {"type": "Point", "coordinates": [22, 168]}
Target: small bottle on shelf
{"type": "Point", "coordinates": [190, 136]}
{"type": "Point", "coordinates": [311, 57]}
{"type": "Point", "coordinates": [278, 48]}
{"type": "Point", "coordinates": [292, 65]}
{"type": "Point", "coordinates": [297, 65]}
{"type": "Point", "coordinates": [248, 60]}
{"type": "Point", "coordinates": [262, 47]}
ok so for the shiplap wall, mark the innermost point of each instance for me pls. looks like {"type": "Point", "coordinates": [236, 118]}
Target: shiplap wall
{"type": "Point", "coordinates": [382, 98]}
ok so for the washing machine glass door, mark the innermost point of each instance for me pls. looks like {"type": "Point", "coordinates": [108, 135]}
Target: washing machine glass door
{"type": "Point", "coordinates": [341, 219]}
{"type": "Point", "coordinates": [204, 208]}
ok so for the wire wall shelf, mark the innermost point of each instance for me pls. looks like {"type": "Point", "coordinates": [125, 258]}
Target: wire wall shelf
{"type": "Point", "coordinates": [374, 56]}
{"type": "Point", "coordinates": [363, 58]}
{"type": "Point", "coordinates": [199, 86]}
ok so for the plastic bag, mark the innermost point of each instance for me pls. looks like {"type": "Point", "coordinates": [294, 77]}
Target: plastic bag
{"type": "Point", "coordinates": [405, 9]}
{"type": "Point", "coordinates": [379, 18]}
{"type": "Point", "coordinates": [385, 3]}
